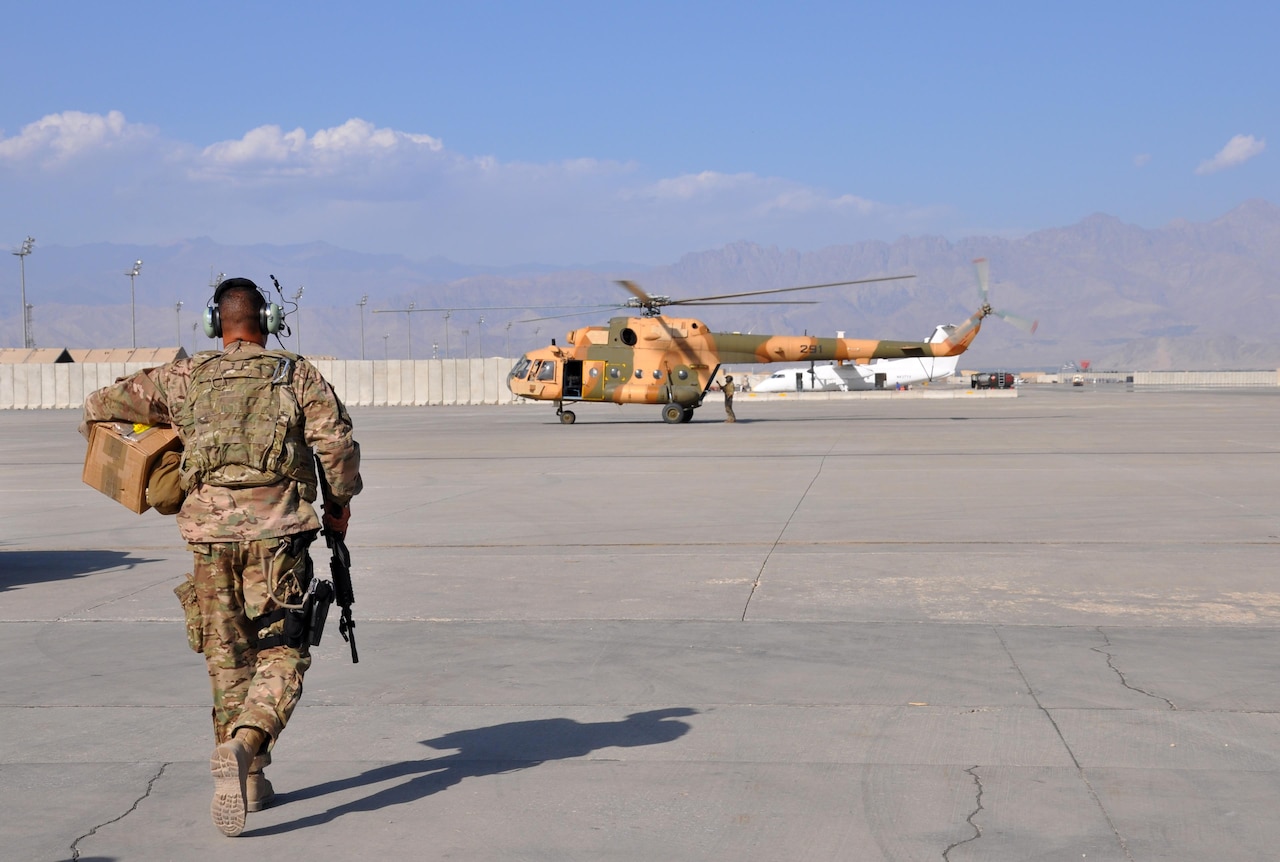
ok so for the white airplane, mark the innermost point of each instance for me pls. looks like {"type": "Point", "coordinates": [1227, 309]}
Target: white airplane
{"type": "Point", "coordinates": [876, 374]}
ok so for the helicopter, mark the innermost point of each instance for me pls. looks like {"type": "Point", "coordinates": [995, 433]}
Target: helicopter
{"type": "Point", "coordinates": [655, 358]}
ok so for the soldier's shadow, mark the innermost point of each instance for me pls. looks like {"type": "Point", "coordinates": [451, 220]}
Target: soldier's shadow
{"type": "Point", "coordinates": [485, 751]}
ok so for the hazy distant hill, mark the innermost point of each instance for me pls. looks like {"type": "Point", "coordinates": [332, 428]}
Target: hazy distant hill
{"type": "Point", "coordinates": [1201, 296]}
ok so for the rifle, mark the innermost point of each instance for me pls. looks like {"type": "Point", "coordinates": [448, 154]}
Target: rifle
{"type": "Point", "coordinates": [340, 570]}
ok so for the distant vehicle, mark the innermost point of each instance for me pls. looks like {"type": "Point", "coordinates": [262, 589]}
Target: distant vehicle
{"type": "Point", "coordinates": [993, 380]}
{"type": "Point", "coordinates": [876, 374]}
{"type": "Point", "coordinates": [1077, 380]}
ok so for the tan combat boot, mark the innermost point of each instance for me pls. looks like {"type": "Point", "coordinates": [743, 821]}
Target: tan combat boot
{"type": "Point", "coordinates": [230, 767]}
{"type": "Point", "coordinates": [258, 792]}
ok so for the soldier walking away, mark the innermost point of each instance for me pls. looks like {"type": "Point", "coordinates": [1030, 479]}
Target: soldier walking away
{"type": "Point", "coordinates": [728, 390]}
{"type": "Point", "coordinates": [255, 424]}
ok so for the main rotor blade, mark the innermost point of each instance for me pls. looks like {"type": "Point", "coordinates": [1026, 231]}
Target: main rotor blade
{"type": "Point", "coordinates": [592, 310]}
{"type": "Point", "coordinates": [636, 291]}
{"type": "Point", "coordinates": [693, 302]}
{"type": "Point", "coordinates": [788, 289]}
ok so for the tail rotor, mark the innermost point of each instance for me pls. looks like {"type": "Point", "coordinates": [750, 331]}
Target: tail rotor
{"type": "Point", "coordinates": [980, 265]}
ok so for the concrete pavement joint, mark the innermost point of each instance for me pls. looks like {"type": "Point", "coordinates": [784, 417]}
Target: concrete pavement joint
{"type": "Point", "coordinates": [1123, 681]}
{"type": "Point", "coordinates": [75, 845]}
{"type": "Point", "coordinates": [977, 830]}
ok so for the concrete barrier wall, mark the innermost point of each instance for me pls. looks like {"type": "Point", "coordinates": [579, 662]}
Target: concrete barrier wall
{"type": "Point", "coordinates": [1206, 378]}
{"type": "Point", "coordinates": [418, 382]}
{"type": "Point", "coordinates": [365, 383]}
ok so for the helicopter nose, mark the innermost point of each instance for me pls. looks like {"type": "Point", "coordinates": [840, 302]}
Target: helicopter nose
{"type": "Point", "coordinates": [512, 373]}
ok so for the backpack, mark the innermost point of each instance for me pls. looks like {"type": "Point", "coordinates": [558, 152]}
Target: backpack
{"type": "Point", "coordinates": [242, 425]}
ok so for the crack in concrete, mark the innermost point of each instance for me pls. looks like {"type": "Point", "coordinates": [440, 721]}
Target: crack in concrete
{"type": "Point", "coordinates": [977, 830]}
{"type": "Point", "coordinates": [760, 574]}
{"type": "Point", "coordinates": [1093, 793]}
{"type": "Point", "coordinates": [75, 845]}
{"type": "Point", "coordinates": [1106, 651]}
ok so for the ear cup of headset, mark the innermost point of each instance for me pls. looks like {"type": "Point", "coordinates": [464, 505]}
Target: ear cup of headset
{"type": "Point", "coordinates": [212, 322]}
{"type": "Point", "coordinates": [271, 318]}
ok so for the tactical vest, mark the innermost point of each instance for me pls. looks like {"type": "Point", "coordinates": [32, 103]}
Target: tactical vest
{"type": "Point", "coordinates": [242, 425]}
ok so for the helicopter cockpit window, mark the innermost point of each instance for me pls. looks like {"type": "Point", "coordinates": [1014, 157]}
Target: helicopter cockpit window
{"type": "Point", "coordinates": [522, 368]}
{"type": "Point", "coordinates": [547, 371]}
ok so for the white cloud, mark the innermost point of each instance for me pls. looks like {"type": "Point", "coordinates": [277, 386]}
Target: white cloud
{"type": "Point", "coordinates": [351, 146]}
{"type": "Point", "coordinates": [767, 195]}
{"type": "Point", "coordinates": [379, 189]}
{"type": "Point", "coordinates": [58, 138]}
{"type": "Point", "coordinates": [1238, 150]}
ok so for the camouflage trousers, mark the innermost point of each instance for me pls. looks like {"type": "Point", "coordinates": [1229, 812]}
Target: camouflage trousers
{"type": "Point", "coordinates": [237, 584]}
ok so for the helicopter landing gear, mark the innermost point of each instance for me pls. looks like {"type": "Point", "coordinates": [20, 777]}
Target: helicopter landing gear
{"type": "Point", "coordinates": [567, 417]}
{"type": "Point", "coordinates": [673, 414]}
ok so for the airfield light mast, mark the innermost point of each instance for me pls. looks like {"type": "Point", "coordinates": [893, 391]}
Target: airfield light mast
{"type": "Point", "coordinates": [364, 300]}
{"type": "Point", "coordinates": [297, 308]}
{"type": "Point", "coordinates": [27, 244]}
{"type": "Point", "coordinates": [133, 313]}
{"type": "Point", "coordinates": [177, 311]}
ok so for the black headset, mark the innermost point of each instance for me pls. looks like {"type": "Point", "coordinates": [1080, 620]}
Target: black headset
{"type": "Point", "coordinates": [270, 315]}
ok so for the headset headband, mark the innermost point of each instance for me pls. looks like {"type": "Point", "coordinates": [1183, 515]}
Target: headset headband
{"type": "Point", "coordinates": [235, 284]}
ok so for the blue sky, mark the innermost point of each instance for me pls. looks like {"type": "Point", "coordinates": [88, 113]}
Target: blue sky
{"type": "Point", "coordinates": [498, 133]}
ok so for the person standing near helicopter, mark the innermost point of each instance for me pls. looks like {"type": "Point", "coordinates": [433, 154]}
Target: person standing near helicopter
{"type": "Point", "coordinates": [728, 390]}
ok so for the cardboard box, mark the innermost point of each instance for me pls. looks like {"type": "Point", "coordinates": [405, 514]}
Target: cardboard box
{"type": "Point", "coordinates": [120, 459]}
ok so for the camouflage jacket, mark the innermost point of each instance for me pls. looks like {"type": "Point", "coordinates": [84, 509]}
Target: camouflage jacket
{"type": "Point", "coordinates": [214, 514]}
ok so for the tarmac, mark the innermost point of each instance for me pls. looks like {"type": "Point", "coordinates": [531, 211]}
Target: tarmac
{"type": "Point", "coordinates": [1032, 628]}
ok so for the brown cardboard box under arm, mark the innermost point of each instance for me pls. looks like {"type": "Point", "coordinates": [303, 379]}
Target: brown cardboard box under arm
{"type": "Point", "coordinates": [119, 461]}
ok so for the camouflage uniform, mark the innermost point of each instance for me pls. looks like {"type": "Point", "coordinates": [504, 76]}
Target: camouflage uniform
{"type": "Point", "coordinates": [728, 390]}
{"type": "Point", "coordinates": [249, 542]}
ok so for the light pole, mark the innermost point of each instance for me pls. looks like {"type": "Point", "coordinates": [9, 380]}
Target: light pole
{"type": "Point", "coordinates": [27, 244]}
{"type": "Point", "coordinates": [386, 351]}
{"type": "Point", "coordinates": [297, 307]}
{"type": "Point", "coordinates": [408, 323]}
{"type": "Point", "coordinates": [466, 351]}
{"type": "Point", "coordinates": [509, 338]}
{"type": "Point", "coordinates": [177, 310]}
{"type": "Point", "coordinates": [28, 321]}
{"type": "Point", "coordinates": [480, 337]}
{"type": "Point", "coordinates": [133, 315]}
{"type": "Point", "coordinates": [408, 312]}
{"type": "Point", "coordinates": [364, 300]}
{"type": "Point", "coordinates": [447, 315]}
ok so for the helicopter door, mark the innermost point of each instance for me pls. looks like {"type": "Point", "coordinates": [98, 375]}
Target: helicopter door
{"type": "Point", "coordinates": [880, 380]}
{"type": "Point", "coordinates": [573, 378]}
{"type": "Point", "coordinates": [799, 381]}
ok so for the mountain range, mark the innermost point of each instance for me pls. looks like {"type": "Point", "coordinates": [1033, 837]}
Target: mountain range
{"type": "Point", "coordinates": [1185, 296]}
